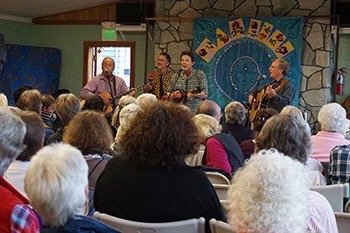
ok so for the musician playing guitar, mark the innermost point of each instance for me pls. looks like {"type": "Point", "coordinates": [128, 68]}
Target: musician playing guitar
{"type": "Point", "coordinates": [277, 94]}
{"type": "Point", "coordinates": [189, 82]}
{"type": "Point", "coordinates": [106, 82]}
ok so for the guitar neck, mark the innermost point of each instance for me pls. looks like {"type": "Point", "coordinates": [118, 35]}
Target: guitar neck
{"type": "Point", "coordinates": [138, 88]}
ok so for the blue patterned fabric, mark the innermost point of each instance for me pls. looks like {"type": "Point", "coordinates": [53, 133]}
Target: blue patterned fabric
{"type": "Point", "coordinates": [235, 54]}
{"type": "Point", "coordinates": [38, 67]}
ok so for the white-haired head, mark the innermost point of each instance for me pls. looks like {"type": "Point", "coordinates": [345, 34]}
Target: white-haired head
{"type": "Point", "coordinates": [207, 125]}
{"type": "Point", "coordinates": [269, 195]}
{"type": "Point", "coordinates": [146, 99]}
{"type": "Point", "coordinates": [124, 100]}
{"type": "Point", "coordinates": [332, 118]}
{"type": "Point", "coordinates": [127, 114]}
{"type": "Point", "coordinates": [56, 183]}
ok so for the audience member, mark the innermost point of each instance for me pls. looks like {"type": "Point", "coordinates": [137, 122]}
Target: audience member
{"type": "Point", "coordinates": [207, 127]}
{"type": "Point", "coordinates": [339, 165]}
{"type": "Point", "coordinates": [211, 108]}
{"type": "Point", "coordinates": [17, 93]}
{"type": "Point", "coordinates": [33, 141]}
{"type": "Point", "coordinates": [57, 123]}
{"type": "Point", "coordinates": [90, 132]}
{"type": "Point", "coordinates": [127, 114]}
{"type": "Point", "coordinates": [67, 105]}
{"type": "Point", "coordinates": [266, 196]}
{"type": "Point", "coordinates": [222, 152]}
{"type": "Point", "coordinates": [312, 165]}
{"type": "Point", "coordinates": [332, 118]}
{"type": "Point", "coordinates": [263, 114]}
{"type": "Point", "coordinates": [60, 92]}
{"type": "Point", "coordinates": [292, 137]}
{"type": "Point", "coordinates": [30, 100]}
{"type": "Point", "coordinates": [12, 133]}
{"type": "Point", "coordinates": [48, 110]}
{"type": "Point", "coordinates": [145, 99]}
{"type": "Point", "coordinates": [56, 184]}
{"type": "Point", "coordinates": [235, 117]}
{"type": "Point", "coordinates": [293, 111]}
{"type": "Point", "coordinates": [150, 181]}
{"type": "Point", "coordinates": [124, 100]}
{"type": "Point", "coordinates": [95, 103]}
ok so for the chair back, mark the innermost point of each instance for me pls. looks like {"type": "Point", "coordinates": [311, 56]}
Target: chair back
{"type": "Point", "coordinates": [221, 191]}
{"type": "Point", "coordinates": [343, 222]}
{"type": "Point", "coordinates": [219, 226]}
{"type": "Point", "coordinates": [217, 178]}
{"type": "Point", "coordinates": [335, 194]}
{"type": "Point", "coordinates": [191, 225]}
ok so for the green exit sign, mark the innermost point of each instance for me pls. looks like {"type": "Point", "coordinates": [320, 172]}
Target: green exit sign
{"type": "Point", "coordinates": [109, 35]}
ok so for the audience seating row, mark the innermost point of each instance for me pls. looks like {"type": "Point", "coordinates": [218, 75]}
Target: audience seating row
{"type": "Point", "coordinates": [335, 194]}
{"type": "Point", "coordinates": [190, 226]}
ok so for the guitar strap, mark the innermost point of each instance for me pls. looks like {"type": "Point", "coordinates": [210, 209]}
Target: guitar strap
{"type": "Point", "coordinates": [161, 89]}
{"type": "Point", "coordinates": [112, 88]}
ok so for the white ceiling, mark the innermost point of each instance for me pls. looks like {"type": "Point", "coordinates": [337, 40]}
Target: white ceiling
{"type": "Point", "coordinates": [37, 8]}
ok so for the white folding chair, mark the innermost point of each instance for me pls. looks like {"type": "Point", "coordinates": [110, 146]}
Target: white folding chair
{"type": "Point", "coordinates": [343, 222]}
{"type": "Point", "coordinates": [335, 194]}
{"type": "Point", "coordinates": [221, 191]}
{"type": "Point", "coordinates": [191, 225]}
{"type": "Point", "coordinates": [217, 178]}
{"type": "Point", "coordinates": [219, 226]}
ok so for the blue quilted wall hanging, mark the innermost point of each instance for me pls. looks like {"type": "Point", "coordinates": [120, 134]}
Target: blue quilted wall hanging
{"type": "Point", "coordinates": [235, 54]}
{"type": "Point", "coordinates": [38, 67]}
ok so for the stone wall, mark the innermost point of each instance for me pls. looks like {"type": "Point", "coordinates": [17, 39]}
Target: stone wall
{"type": "Point", "coordinates": [174, 36]}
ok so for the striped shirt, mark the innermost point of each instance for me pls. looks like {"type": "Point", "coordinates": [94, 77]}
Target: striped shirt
{"type": "Point", "coordinates": [321, 218]}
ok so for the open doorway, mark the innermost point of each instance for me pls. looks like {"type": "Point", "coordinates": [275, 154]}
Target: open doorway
{"type": "Point", "coordinates": [122, 52]}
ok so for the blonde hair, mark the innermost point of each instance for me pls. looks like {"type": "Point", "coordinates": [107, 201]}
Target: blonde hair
{"type": "Point", "coordinates": [67, 105]}
{"type": "Point", "coordinates": [207, 125]}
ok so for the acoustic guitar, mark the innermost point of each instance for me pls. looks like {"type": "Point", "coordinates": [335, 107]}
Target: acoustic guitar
{"type": "Point", "coordinates": [260, 97]}
{"type": "Point", "coordinates": [108, 100]}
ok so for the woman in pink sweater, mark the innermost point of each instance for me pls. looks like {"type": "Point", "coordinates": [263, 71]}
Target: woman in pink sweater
{"type": "Point", "coordinates": [332, 118]}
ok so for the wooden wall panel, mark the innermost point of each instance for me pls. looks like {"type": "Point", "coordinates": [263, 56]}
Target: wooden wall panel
{"type": "Point", "coordinates": [93, 15]}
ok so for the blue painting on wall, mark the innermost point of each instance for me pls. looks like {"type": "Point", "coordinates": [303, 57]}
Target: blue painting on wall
{"type": "Point", "coordinates": [38, 67]}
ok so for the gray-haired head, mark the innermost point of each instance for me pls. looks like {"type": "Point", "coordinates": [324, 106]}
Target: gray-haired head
{"type": "Point", "coordinates": [12, 134]}
{"type": "Point", "coordinates": [287, 134]}
{"type": "Point", "coordinates": [235, 113]}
